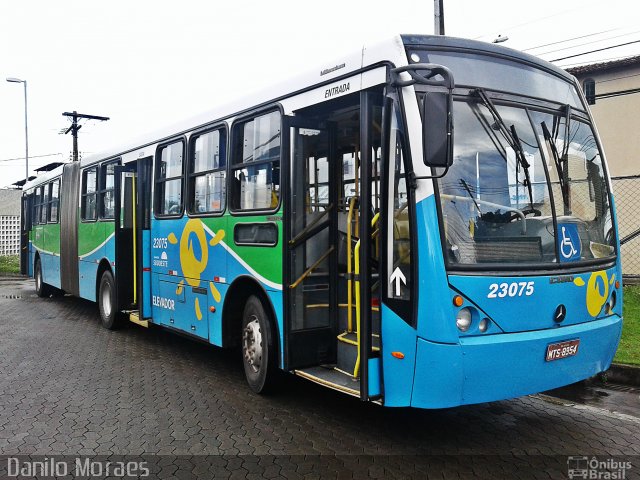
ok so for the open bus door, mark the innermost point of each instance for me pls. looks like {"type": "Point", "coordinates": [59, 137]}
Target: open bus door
{"type": "Point", "coordinates": [312, 250]}
{"type": "Point", "coordinates": [25, 228]}
{"type": "Point", "coordinates": [332, 334]}
{"type": "Point", "coordinates": [126, 241]}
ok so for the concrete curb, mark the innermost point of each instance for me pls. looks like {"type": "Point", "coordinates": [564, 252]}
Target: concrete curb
{"type": "Point", "coordinates": [622, 373]}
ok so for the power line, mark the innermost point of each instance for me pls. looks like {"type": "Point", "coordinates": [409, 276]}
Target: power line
{"type": "Point", "coordinates": [570, 39]}
{"type": "Point", "coordinates": [30, 156]}
{"type": "Point", "coordinates": [39, 164]}
{"type": "Point", "coordinates": [597, 50]}
{"type": "Point", "coordinates": [581, 7]}
{"type": "Point", "coordinates": [587, 43]}
{"type": "Point", "coordinates": [589, 62]}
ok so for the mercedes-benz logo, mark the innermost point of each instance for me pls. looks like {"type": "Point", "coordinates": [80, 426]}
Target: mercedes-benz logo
{"type": "Point", "coordinates": [561, 312]}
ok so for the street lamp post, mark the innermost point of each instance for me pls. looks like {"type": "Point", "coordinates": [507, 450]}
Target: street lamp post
{"type": "Point", "coordinates": [26, 128]}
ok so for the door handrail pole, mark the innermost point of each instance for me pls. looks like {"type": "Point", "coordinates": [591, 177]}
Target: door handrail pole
{"type": "Point", "coordinates": [352, 202]}
{"type": "Point", "coordinates": [315, 265]}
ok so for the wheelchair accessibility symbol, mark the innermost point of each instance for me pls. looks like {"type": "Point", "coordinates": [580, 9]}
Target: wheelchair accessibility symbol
{"type": "Point", "coordinates": [569, 242]}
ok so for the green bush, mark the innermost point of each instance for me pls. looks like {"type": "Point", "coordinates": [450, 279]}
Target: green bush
{"type": "Point", "coordinates": [10, 264]}
{"type": "Point", "coordinates": [629, 349]}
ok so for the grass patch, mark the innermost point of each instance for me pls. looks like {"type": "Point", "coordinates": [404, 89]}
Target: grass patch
{"type": "Point", "coordinates": [10, 264]}
{"type": "Point", "coordinates": [629, 349]}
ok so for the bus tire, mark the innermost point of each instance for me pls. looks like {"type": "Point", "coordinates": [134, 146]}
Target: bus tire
{"type": "Point", "coordinates": [42, 289]}
{"type": "Point", "coordinates": [258, 347]}
{"type": "Point", "coordinates": [107, 301]}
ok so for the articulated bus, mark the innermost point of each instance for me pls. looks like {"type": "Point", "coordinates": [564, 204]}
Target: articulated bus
{"type": "Point", "coordinates": [426, 222]}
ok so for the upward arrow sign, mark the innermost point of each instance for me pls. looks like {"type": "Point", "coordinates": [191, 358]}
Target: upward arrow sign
{"type": "Point", "coordinates": [397, 276]}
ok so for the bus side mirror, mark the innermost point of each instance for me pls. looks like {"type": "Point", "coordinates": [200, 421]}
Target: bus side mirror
{"type": "Point", "coordinates": [437, 129]}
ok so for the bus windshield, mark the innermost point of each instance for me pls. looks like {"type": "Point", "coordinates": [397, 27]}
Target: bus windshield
{"type": "Point", "coordinates": [526, 187]}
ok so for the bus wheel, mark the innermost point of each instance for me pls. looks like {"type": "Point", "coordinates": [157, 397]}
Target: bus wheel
{"type": "Point", "coordinates": [258, 351]}
{"type": "Point", "coordinates": [42, 289]}
{"type": "Point", "coordinates": [107, 301]}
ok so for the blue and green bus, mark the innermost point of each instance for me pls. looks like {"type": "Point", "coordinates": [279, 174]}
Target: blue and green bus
{"type": "Point", "coordinates": [426, 222]}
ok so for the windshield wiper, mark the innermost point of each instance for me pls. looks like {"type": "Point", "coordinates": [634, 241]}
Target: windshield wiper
{"type": "Point", "coordinates": [567, 125]}
{"type": "Point", "coordinates": [523, 161]}
{"type": "Point", "coordinates": [465, 185]}
{"type": "Point", "coordinates": [558, 161]}
{"type": "Point", "coordinates": [511, 136]}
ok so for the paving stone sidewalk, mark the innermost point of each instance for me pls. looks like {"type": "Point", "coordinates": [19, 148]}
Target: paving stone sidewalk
{"type": "Point", "coordinates": [69, 387]}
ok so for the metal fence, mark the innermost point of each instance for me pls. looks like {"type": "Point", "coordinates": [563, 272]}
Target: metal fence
{"type": "Point", "coordinates": [626, 191]}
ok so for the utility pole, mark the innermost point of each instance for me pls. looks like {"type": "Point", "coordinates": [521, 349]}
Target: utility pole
{"type": "Point", "coordinates": [438, 14]}
{"type": "Point", "coordinates": [75, 127]}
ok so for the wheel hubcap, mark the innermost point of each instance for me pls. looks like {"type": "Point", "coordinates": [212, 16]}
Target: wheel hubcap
{"type": "Point", "coordinates": [252, 344]}
{"type": "Point", "coordinates": [106, 300]}
{"type": "Point", "coordinates": [38, 279]}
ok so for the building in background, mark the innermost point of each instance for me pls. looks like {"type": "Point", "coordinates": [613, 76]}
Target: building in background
{"type": "Point", "coordinates": [613, 92]}
{"type": "Point", "coordinates": [10, 222]}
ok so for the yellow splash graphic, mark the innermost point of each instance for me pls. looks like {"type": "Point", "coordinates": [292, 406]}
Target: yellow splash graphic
{"type": "Point", "coordinates": [197, 308]}
{"type": "Point", "coordinates": [193, 265]}
{"type": "Point", "coordinates": [214, 292]}
{"type": "Point", "coordinates": [597, 290]}
{"type": "Point", "coordinates": [215, 240]}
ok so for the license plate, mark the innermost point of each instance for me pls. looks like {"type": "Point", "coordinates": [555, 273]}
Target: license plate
{"type": "Point", "coordinates": [556, 351]}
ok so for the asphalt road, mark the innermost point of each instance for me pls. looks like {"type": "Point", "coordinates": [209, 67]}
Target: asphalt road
{"type": "Point", "coordinates": [69, 388]}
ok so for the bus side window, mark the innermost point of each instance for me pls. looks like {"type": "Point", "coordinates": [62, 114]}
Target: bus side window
{"type": "Point", "coordinates": [168, 192]}
{"type": "Point", "coordinates": [207, 173]}
{"type": "Point", "coordinates": [106, 200]}
{"type": "Point", "coordinates": [88, 210]}
{"type": "Point", "coordinates": [255, 164]}
{"type": "Point", "coordinates": [54, 200]}
{"type": "Point", "coordinates": [45, 203]}
{"type": "Point", "coordinates": [37, 205]}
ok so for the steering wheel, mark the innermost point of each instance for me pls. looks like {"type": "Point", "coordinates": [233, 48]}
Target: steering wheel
{"type": "Point", "coordinates": [525, 212]}
{"type": "Point", "coordinates": [535, 211]}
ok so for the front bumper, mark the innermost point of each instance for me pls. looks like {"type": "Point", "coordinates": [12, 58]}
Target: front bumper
{"type": "Point", "coordinates": [496, 367]}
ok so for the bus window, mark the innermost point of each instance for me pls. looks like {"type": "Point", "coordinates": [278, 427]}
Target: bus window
{"type": "Point", "coordinates": [88, 209]}
{"type": "Point", "coordinates": [256, 164]}
{"type": "Point", "coordinates": [37, 205]}
{"type": "Point", "coordinates": [207, 173]}
{"type": "Point", "coordinates": [169, 180]}
{"type": "Point", "coordinates": [399, 228]}
{"type": "Point", "coordinates": [106, 201]}
{"type": "Point", "coordinates": [54, 200]}
{"type": "Point", "coordinates": [45, 204]}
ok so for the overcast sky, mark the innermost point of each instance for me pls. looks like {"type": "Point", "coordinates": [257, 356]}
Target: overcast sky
{"type": "Point", "coordinates": [147, 64]}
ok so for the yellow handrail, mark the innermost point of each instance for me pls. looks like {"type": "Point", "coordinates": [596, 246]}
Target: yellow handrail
{"type": "Point", "coordinates": [308, 271]}
{"type": "Point", "coordinates": [349, 267]}
{"type": "Point", "coordinates": [356, 368]}
{"type": "Point", "coordinates": [135, 247]}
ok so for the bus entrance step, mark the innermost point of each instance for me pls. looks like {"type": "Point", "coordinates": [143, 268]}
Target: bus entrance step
{"type": "Point", "coordinates": [348, 350]}
{"type": "Point", "coordinates": [332, 378]}
{"type": "Point", "coordinates": [135, 318]}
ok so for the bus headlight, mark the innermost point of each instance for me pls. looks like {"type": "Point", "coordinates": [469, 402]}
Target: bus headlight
{"type": "Point", "coordinates": [463, 319]}
{"type": "Point", "coordinates": [612, 302]}
{"type": "Point", "coordinates": [483, 325]}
